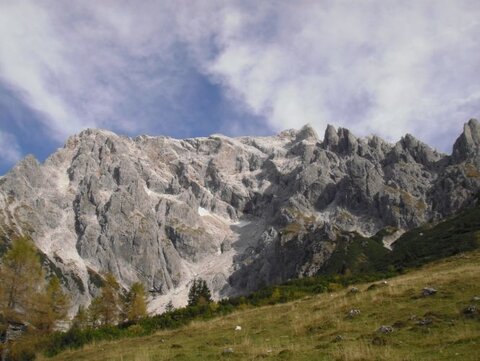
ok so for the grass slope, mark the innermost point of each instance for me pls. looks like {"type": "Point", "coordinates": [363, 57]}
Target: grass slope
{"type": "Point", "coordinates": [317, 327]}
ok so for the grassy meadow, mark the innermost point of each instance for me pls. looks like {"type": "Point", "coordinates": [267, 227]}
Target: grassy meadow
{"type": "Point", "coordinates": [318, 327]}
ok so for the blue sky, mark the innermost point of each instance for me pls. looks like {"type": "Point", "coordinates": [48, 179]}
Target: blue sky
{"type": "Point", "coordinates": [185, 69]}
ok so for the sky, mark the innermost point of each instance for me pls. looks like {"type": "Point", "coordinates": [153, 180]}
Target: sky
{"type": "Point", "coordinates": [194, 68]}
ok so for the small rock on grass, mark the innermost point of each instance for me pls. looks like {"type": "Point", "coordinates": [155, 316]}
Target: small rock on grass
{"type": "Point", "coordinates": [428, 291]}
{"type": "Point", "coordinates": [470, 310]}
{"type": "Point", "coordinates": [425, 322]}
{"type": "Point", "coordinates": [353, 290]}
{"type": "Point", "coordinates": [353, 312]}
{"type": "Point", "coordinates": [385, 329]}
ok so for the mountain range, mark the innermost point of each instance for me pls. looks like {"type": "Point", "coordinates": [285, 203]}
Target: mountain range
{"type": "Point", "coordinates": [241, 213]}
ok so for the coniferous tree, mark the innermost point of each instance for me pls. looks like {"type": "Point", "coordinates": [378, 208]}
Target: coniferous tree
{"type": "Point", "coordinates": [21, 278]}
{"type": "Point", "coordinates": [94, 313]}
{"type": "Point", "coordinates": [51, 306]}
{"type": "Point", "coordinates": [205, 294]}
{"type": "Point", "coordinates": [135, 303]}
{"type": "Point", "coordinates": [193, 293]}
{"type": "Point", "coordinates": [80, 321]}
{"type": "Point", "coordinates": [199, 293]}
{"type": "Point", "coordinates": [105, 308]}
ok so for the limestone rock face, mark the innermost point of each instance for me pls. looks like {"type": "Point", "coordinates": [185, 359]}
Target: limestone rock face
{"type": "Point", "coordinates": [239, 212]}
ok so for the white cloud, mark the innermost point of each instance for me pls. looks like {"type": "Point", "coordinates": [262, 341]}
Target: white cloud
{"type": "Point", "coordinates": [377, 66]}
{"type": "Point", "coordinates": [10, 150]}
{"type": "Point", "coordinates": [79, 64]}
{"type": "Point", "coordinates": [31, 58]}
{"type": "Point", "coordinates": [374, 66]}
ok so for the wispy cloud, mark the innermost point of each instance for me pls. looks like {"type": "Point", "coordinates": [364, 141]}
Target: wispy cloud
{"type": "Point", "coordinates": [85, 64]}
{"type": "Point", "coordinates": [380, 67]}
{"type": "Point", "coordinates": [10, 149]}
{"type": "Point", "coordinates": [32, 60]}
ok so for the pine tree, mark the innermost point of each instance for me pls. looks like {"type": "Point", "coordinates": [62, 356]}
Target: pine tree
{"type": "Point", "coordinates": [21, 278]}
{"type": "Point", "coordinates": [135, 303]}
{"type": "Point", "coordinates": [199, 293]}
{"type": "Point", "coordinates": [205, 294]}
{"type": "Point", "coordinates": [193, 293]}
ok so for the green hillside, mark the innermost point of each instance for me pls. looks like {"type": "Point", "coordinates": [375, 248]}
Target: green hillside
{"type": "Point", "coordinates": [318, 327]}
{"type": "Point", "coordinates": [432, 241]}
{"type": "Point", "coordinates": [459, 233]}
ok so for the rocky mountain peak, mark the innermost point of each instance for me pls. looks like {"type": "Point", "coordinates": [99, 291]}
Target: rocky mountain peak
{"type": "Point", "coordinates": [341, 141]}
{"type": "Point", "coordinates": [307, 133]}
{"type": "Point", "coordinates": [409, 146]}
{"type": "Point", "coordinates": [331, 139]}
{"type": "Point", "coordinates": [468, 143]}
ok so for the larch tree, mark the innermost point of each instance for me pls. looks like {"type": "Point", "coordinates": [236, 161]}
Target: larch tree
{"type": "Point", "coordinates": [105, 308]}
{"type": "Point", "coordinates": [80, 321]}
{"type": "Point", "coordinates": [21, 278]}
{"type": "Point", "coordinates": [135, 303]}
{"type": "Point", "coordinates": [52, 306]}
{"type": "Point", "coordinates": [94, 312]}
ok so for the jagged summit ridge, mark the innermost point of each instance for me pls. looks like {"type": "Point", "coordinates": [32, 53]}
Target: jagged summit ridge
{"type": "Point", "coordinates": [239, 212]}
{"type": "Point", "coordinates": [468, 143]}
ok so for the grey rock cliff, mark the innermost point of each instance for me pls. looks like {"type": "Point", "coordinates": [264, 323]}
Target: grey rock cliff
{"type": "Point", "coordinates": [468, 144]}
{"type": "Point", "coordinates": [239, 212]}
